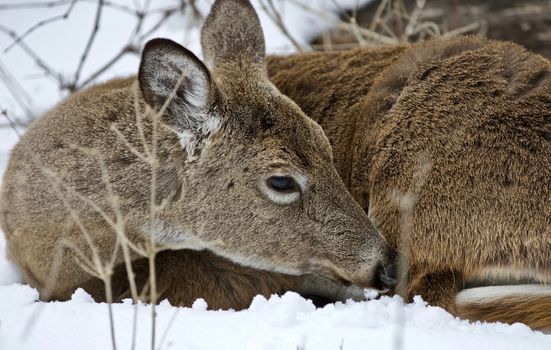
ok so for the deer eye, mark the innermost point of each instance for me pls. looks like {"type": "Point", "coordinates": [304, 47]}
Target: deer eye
{"type": "Point", "coordinates": [283, 184]}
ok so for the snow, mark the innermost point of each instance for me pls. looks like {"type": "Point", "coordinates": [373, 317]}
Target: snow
{"type": "Point", "coordinates": [286, 322]}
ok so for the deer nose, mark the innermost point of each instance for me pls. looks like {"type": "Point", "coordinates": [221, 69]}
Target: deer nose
{"type": "Point", "coordinates": [387, 276]}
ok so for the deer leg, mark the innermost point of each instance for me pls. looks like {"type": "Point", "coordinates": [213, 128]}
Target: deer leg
{"type": "Point", "coordinates": [436, 288]}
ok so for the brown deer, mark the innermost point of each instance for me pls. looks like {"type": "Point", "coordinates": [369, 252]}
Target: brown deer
{"type": "Point", "coordinates": [239, 170]}
{"type": "Point", "coordinates": [447, 145]}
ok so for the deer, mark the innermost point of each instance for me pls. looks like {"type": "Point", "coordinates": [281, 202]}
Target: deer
{"type": "Point", "coordinates": [238, 171]}
{"type": "Point", "coordinates": [446, 145]}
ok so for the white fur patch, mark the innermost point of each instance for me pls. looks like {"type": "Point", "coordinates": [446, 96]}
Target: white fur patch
{"type": "Point", "coordinates": [257, 264]}
{"type": "Point", "coordinates": [487, 294]}
{"type": "Point", "coordinates": [171, 236]}
{"type": "Point", "coordinates": [190, 140]}
{"type": "Point", "coordinates": [211, 125]}
{"type": "Point", "coordinates": [281, 198]}
{"type": "Point", "coordinates": [187, 141]}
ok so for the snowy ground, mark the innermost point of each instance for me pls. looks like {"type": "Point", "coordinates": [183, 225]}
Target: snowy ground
{"type": "Point", "coordinates": [287, 322]}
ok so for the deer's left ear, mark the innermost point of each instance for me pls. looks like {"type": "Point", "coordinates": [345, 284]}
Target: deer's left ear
{"type": "Point", "coordinates": [174, 82]}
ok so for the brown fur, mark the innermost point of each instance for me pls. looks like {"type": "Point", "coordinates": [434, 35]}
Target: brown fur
{"type": "Point", "coordinates": [477, 112]}
{"type": "Point", "coordinates": [532, 311]}
{"type": "Point", "coordinates": [185, 277]}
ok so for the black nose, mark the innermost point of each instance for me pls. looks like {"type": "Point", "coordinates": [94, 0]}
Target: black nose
{"type": "Point", "coordinates": [387, 276]}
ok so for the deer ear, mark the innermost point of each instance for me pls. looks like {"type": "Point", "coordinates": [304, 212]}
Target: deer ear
{"type": "Point", "coordinates": [174, 82]}
{"type": "Point", "coordinates": [232, 32]}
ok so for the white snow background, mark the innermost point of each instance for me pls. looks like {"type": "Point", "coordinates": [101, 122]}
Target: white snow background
{"type": "Point", "coordinates": [287, 322]}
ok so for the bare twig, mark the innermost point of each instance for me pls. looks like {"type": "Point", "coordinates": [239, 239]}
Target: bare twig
{"type": "Point", "coordinates": [407, 202]}
{"type": "Point", "coordinates": [44, 22]}
{"type": "Point", "coordinates": [88, 45]}
{"type": "Point", "coordinates": [353, 22]}
{"type": "Point", "coordinates": [269, 8]}
{"type": "Point", "coordinates": [33, 5]}
{"type": "Point", "coordinates": [11, 121]}
{"type": "Point", "coordinates": [167, 329]}
{"type": "Point", "coordinates": [33, 55]}
{"type": "Point", "coordinates": [17, 91]}
{"type": "Point", "coordinates": [345, 25]}
{"type": "Point", "coordinates": [132, 46]}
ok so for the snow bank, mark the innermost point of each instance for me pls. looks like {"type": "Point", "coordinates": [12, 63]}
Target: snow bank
{"type": "Point", "coordinates": [287, 322]}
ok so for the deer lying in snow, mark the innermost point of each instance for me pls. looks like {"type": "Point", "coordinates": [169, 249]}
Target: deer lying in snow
{"type": "Point", "coordinates": [445, 144]}
{"type": "Point", "coordinates": [238, 169]}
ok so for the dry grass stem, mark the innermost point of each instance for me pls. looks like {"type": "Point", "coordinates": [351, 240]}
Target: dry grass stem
{"type": "Point", "coordinates": [270, 9]}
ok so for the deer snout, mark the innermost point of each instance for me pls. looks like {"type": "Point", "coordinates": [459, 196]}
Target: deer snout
{"type": "Point", "coordinates": [383, 277]}
{"type": "Point", "coordinates": [387, 272]}
{"type": "Point", "coordinates": [387, 276]}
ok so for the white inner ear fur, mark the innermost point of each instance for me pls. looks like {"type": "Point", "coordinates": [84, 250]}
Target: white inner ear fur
{"type": "Point", "coordinates": [196, 95]}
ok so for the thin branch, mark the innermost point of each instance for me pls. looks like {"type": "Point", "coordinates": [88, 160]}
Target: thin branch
{"type": "Point", "coordinates": [33, 5]}
{"type": "Point", "coordinates": [276, 18]}
{"type": "Point", "coordinates": [88, 44]}
{"type": "Point", "coordinates": [469, 28]}
{"type": "Point", "coordinates": [38, 61]}
{"type": "Point", "coordinates": [16, 90]}
{"type": "Point", "coordinates": [345, 25]}
{"type": "Point", "coordinates": [167, 329]}
{"type": "Point", "coordinates": [353, 22]}
{"type": "Point", "coordinates": [11, 122]}
{"type": "Point", "coordinates": [44, 22]}
{"type": "Point", "coordinates": [52, 4]}
{"type": "Point", "coordinates": [132, 45]}
{"type": "Point", "coordinates": [126, 49]}
{"type": "Point", "coordinates": [109, 299]}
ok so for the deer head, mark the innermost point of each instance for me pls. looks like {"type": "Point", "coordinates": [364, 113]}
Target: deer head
{"type": "Point", "coordinates": [260, 187]}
